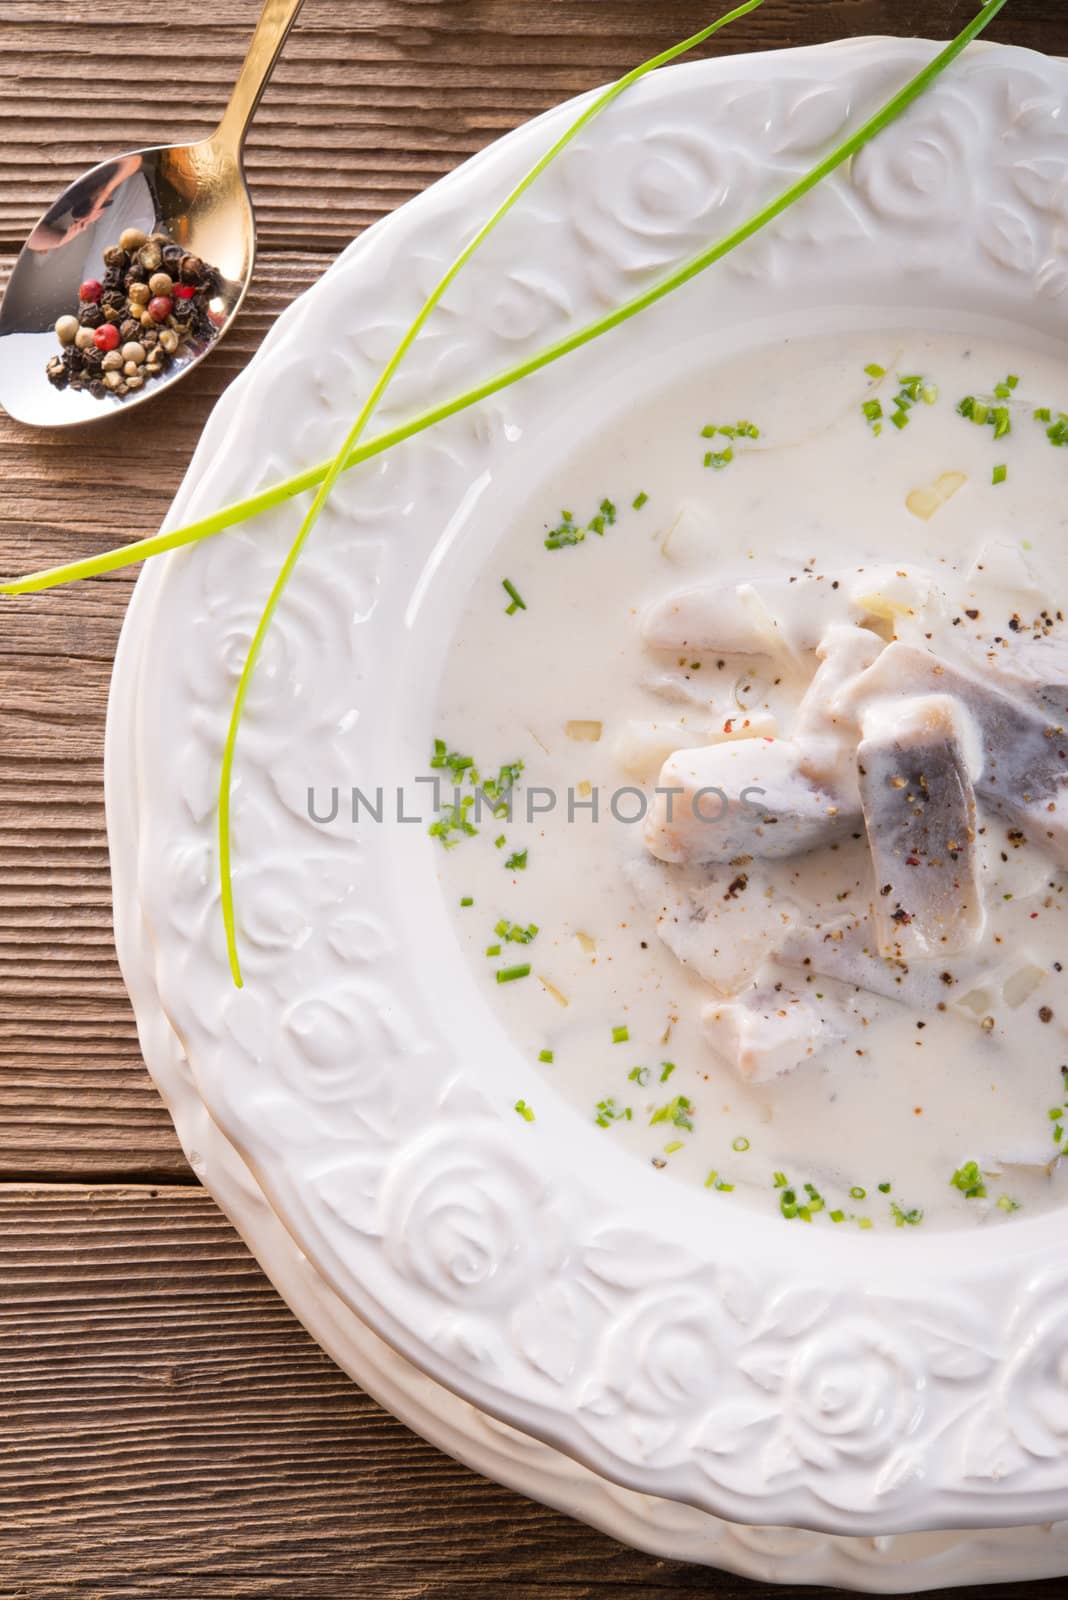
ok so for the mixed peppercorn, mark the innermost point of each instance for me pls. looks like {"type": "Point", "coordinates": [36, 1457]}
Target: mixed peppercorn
{"type": "Point", "coordinates": [129, 327]}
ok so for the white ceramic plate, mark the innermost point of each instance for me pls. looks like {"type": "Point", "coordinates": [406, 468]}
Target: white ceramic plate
{"type": "Point", "coordinates": [894, 1564]}
{"type": "Point", "coordinates": [856, 1386]}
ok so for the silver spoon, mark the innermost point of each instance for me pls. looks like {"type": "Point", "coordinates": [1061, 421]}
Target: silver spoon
{"type": "Point", "coordinates": [196, 194]}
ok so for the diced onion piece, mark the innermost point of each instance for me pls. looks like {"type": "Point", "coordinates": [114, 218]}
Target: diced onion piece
{"type": "Point", "coordinates": [979, 1001]}
{"type": "Point", "coordinates": [583, 732]}
{"type": "Point", "coordinates": [1022, 985]}
{"type": "Point", "coordinates": [690, 539]}
{"type": "Point", "coordinates": [923, 503]}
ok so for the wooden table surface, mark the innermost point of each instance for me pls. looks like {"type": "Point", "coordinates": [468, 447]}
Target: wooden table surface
{"type": "Point", "coordinates": [166, 1427]}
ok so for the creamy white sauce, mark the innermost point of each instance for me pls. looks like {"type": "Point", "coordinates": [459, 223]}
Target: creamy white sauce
{"type": "Point", "coordinates": [898, 1091]}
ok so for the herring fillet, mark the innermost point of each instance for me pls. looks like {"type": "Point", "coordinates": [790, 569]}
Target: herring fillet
{"type": "Point", "coordinates": [919, 812]}
{"type": "Point", "coordinates": [1024, 753]}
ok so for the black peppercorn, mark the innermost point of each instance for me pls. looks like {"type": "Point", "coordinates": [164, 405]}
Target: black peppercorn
{"type": "Point", "coordinates": [116, 259]}
{"type": "Point", "coordinates": [172, 258]}
{"type": "Point", "coordinates": [129, 330]}
{"type": "Point", "coordinates": [136, 274]}
{"type": "Point", "coordinates": [92, 359]}
{"type": "Point", "coordinates": [112, 279]}
{"type": "Point", "coordinates": [97, 389]}
{"type": "Point", "coordinates": [90, 315]}
{"type": "Point", "coordinates": [183, 311]}
{"type": "Point", "coordinates": [113, 300]}
{"type": "Point", "coordinates": [191, 269]}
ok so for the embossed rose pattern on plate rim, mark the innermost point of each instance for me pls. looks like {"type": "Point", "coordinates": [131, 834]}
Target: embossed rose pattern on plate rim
{"type": "Point", "coordinates": [861, 1385]}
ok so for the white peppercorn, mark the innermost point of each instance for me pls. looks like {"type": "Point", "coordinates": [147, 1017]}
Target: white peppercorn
{"type": "Point", "coordinates": [139, 294]}
{"type": "Point", "coordinates": [67, 329]}
{"type": "Point", "coordinates": [136, 382]}
{"type": "Point", "coordinates": [112, 362]}
{"type": "Point", "coordinates": [168, 340]}
{"type": "Point", "coordinates": [131, 239]}
{"type": "Point", "coordinates": [113, 379]}
{"type": "Point", "coordinates": [161, 283]}
{"type": "Point", "coordinates": [134, 352]}
{"type": "Point", "coordinates": [83, 339]}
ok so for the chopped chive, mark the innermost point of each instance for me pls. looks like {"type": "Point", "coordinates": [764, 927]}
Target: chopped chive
{"type": "Point", "coordinates": [677, 1111]}
{"type": "Point", "coordinates": [467, 900]}
{"type": "Point", "coordinates": [609, 1110]}
{"type": "Point", "coordinates": [900, 419]}
{"type": "Point", "coordinates": [837, 1216]}
{"type": "Point", "coordinates": [865, 1223]}
{"type": "Point", "coordinates": [710, 1180]}
{"type": "Point", "coordinates": [517, 862]}
{"type": "Point", "coordinates": [874, 370]}
{"type": "Point", "coordinates": [1043, 414]}
{"type": "Point", "coordinates": [969, 1180]}
{"type": "Point", "coordinates": [741, 1144]}
{"type": "Point", "coordinates": [1000, 474]}
{"type": "Point", "coordinates": [638, 1075]}
{"type": "Point", "coordinates": [669, 1149]}
{"type": "Point", "coordinates": [639, 500]}
{"type": "Point", "coordinates": [666, 1069]}
{"type": "Point", "coordinates": [499, 842]}
{"type": "Point", "coordinates": [1007, 1203]}
{"type": "Point", "coordinates": [546, 1056]}
{"type": "Point", "coordinates": [518, 603]}
{"type": "Point", "coordinates": [884, 1188]}
{"type": "Point", "coordinates": [780, 1180]}
{"type": "Point", "coordinates": [857, 1193]}
{"type": "Point", "coordinates": [621, 1034]}
{"type": "Point", "coordinates": [524, 1111]}
{"type": "Point", "coordinates": [493, 949]}
{"type": "Point", "coordinates": [509, 974]}
{"type": "Point", "coordinates": [906, 1219]}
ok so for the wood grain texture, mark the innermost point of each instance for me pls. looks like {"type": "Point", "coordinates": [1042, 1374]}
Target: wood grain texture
{"type": "Point", "coordinates": [373, 99]}
{"type": "Point", "coordinates": [166, 1428]}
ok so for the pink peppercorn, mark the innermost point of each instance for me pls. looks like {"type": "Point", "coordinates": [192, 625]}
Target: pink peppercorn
{"type": "Point", "coordinates": [91, 290]}
{"type": "Point", "coordinates": [106, 337]}
{"type": "Point", "coordinates": [160, 307]}
{"type": "Point", "coordinates": [184, 291]}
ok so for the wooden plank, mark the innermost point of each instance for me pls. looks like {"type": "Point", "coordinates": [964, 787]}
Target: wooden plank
{"type": "Point", "coordinates": [166, 1428]}
{"type": "Point", "coordinates": [373, 99]}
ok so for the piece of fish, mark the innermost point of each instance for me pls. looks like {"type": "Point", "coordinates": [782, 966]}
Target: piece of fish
{"type": "Point", "coordinates": [1023, 755]}
{"type": "Point", "coordinates": [919, 811]}
{"type": "Point", "coordinates": [846, 949]}
{"type": "Point", "coordinates": [786, 616]}
{"type": "Point", "coordinates": [764, 798]}
{"type": "Point", "coordinates": [771, 1030]}
{"type": "Point", "coordinates": [722, 923]}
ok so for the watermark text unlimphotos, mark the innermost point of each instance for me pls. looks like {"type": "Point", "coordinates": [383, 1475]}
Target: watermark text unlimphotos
{"type": "Point", "coordinates": [426, 799]}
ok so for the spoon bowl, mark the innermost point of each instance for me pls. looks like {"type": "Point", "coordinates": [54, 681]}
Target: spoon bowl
{"type": "Point", "coordinates": [195, 194]}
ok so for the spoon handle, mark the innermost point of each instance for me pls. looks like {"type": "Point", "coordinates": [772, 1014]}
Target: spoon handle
{"type": "Point", "coordinates": [276, 19]}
